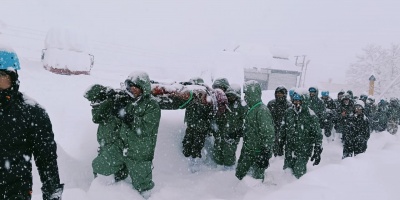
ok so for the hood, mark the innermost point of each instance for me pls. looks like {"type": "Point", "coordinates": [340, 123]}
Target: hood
{"type": "Point", "coordinates": [221, 83]}
{"type": "Point", "coordinates": [283, 90]}
{"type": "Point", "coordinates": [233, 94]}
{"type": "Point", "coordinates": [196, 80]}
{"type": "Point", "coordinates": [252, 90]}
{"type": "Point", "coordinates": [141, 80]}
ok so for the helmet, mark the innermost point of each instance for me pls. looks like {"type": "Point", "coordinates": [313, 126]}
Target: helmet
{"type": "Point", "coordinates": [312, 89]}
{"type": "Point", "coordinates": [9, 59]}
{"type": "Point", "coordinates": [325, 93]}
{"type": "Point", "coordinates": [297, 97]}
{"type": "Point", "coordinates": [291, 92]}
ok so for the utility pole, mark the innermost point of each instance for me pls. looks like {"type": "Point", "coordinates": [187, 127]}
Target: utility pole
{"type": "Point", "coordinates": [305, 72]}
{"type": "Point", "coordinates": [302, 68]}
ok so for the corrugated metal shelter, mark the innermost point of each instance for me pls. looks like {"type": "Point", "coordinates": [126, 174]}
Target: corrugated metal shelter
{"type": "Point", "coordinates": [272, 69]}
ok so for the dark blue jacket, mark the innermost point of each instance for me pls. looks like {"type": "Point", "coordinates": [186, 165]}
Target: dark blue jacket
{"type": "Point", "coordinates": [26, 131]}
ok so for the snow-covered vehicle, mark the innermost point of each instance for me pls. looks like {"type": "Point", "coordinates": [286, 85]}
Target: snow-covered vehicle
{"type": "Point", "coordinates": [66, 53]}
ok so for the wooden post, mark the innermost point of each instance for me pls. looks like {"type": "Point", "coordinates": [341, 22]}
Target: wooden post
{"type": "Point", "coordinates": [372, 80]}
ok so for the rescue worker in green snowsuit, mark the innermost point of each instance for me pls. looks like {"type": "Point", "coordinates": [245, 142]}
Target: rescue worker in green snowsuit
{"type": "Point", "coordinates": [258, 135]}
{"type": "Point", "coordinates": [300, 132]}
{"type": "Point", "coordinates": [393, 115]}
{"type": "Point", "coordinates": [139, 119]}
{"type": "Point", "coordinates": [198, 117]}
{"type": "Point", "coordinates": [102, 102]}
{"type": "Point", "coordinates": [317, 105]}
{"type": "Point", "coordinates": [229, 128]}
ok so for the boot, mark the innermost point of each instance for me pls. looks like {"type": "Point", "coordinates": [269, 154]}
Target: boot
{"type": "Point", "coordinates": [122, 174]}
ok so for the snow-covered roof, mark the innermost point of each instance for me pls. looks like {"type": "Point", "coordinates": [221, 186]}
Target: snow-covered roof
{"type": "Point", "coordinates": [258, 56]}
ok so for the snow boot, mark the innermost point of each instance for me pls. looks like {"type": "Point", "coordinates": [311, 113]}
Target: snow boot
{"type": "Point", "coordinates": [122, 174]}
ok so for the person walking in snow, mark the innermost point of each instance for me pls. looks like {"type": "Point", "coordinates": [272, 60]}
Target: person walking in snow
{"type": "Point", "coordinates": [344, 112]}
{"type": "Point", "coordinates": [258, 136]}
{"type": "Point", "coordinates": [299, 135]}
{"type": "Point", "coordinates": [356, 137]}
{"type": "Point", "coordinates": [198, 115]}
{"type": "Point", "coordinates": [393, 115]}
{"type": "Point", "coordinates": [382, 116]}
{"type": "Point", "coordinates": [277, 107]}
{"type": "Point", "coordinates": [229, 129]}
{"type": "Point", "coordinates": [336, 123]}
{"type": "Point", "coordinates": [317, 105]}
{"type": "Point", "coordinates": [330, 109]}
{"type": "Point", "coordinates": [26, 131]}
{"type": "Point", "coordinates": [371, 112]}
{"type": "Point", "coordinates": [138, 119]}
{"type": "Point", "coordinates": [104, 100]}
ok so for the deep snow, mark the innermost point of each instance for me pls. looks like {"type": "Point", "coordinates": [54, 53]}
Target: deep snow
{"type": "Point", "coordinates": [174, 42]}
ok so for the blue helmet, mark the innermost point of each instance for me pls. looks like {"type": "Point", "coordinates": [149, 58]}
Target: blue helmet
{"type": "Point", "coordinates": [297, 97]}
{"type": "Point", "coordinates": [325, 93]}
{"type": "Point", "coordinates": [291, 93]}
{"type": "Point", "coordinates": [9, 59]}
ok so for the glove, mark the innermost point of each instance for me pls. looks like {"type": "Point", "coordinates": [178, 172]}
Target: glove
{"type": "Point", "coordinates": [53, 193]}
{"type": "Point", "coordinates": [316, 157]}
{"type": "Point", "coordinates": [119, 104]}
{"type": "Point", "coordinates": [263, 158]}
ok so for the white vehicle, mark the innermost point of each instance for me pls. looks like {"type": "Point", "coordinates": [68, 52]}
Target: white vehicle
{"type": "Point", "coordinates": [66, 53]}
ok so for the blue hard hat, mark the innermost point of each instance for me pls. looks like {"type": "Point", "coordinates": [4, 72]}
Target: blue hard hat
{"type": "Point", "coordinates": [291, 93]}
{"type": "Point", "coordinates": [325, 93]}
{"type": "Point", "coordinates": [297, 97]}
{"type": "Point", "coordinates": [9, 59]}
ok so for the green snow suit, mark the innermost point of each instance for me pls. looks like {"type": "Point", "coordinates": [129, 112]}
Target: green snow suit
{"type": "Point", "coordinates": [300, 132]}
{"type": "Point", "coordinates": [229, 130]}
{"type": "Point", "coordinates": [258, 136]}
{"type": "Point", "coordinates": [138, 132]}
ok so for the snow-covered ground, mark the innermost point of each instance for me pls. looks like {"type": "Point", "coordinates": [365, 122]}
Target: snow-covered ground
{"type": "Point", "coordinates": [173, 41]}
{"type": "Point", "coordinates": [373, 175]}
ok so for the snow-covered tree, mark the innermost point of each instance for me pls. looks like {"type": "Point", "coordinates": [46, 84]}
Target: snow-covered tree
{"type": "Point", "coordinates": [375, 60]}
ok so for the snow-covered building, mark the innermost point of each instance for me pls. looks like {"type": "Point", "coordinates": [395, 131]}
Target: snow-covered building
{"type": "Point", "coordinates": [66, 53]}
{"type": "Point", "coordinates": [270, 67]}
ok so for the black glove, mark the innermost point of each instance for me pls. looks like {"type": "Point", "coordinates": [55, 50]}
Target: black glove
{"type": "Point", "coordinates": [53, 192]}
{"type": "Point", "coordinates": [262, 160]}
{"type": "Point", "coordinates": [316, 157]}
{"type": "Point", "coordinates": [119, 104]}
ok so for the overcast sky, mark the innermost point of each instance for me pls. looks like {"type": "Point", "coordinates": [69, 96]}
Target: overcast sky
{"type": "Point", "coordinates": [330, 33]}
